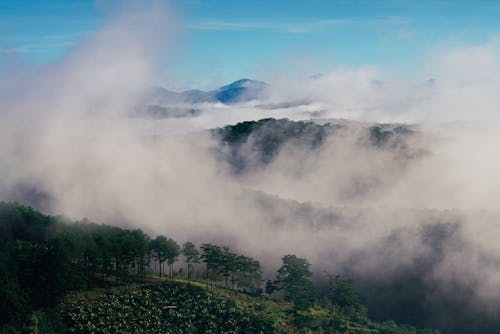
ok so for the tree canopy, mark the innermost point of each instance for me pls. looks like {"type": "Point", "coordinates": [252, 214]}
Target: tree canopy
{"type": "Point", "coordinates": [294, 277]}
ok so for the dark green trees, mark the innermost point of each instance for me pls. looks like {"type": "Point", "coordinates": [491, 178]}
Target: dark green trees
{"type": "Point", "coordinates": [221, 263]}
{"type": "Point", "coordinates": [43, 258]}
{"type": "Point", "coordinates": [173, 250]}
{"type": "Point", "coordinates": [210, 254]}
{"type": "Point", "coordinates": [294, 278]}
{"type": "Point", "coordinates": [165, 250]}
{"type": "Point", "coordinates": [159, 252]}
{"type": "Point", "coordinates": [343, 292]}
{"type": "Point", "coordinates": [247, 274]}
{"type": "Point", "coordinates": [140, 246]}
{"type": "Point", "coordinates": [192, 256]}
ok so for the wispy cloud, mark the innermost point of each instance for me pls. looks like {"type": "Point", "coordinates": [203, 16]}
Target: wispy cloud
{"type": "Point", "coordinates": [44, 43]}
{"type": "Point", "coordinates": [293, 27]}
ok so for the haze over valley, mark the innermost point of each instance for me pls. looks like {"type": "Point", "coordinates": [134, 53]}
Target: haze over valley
{"type": "Point", "coordinates": [386, 176]}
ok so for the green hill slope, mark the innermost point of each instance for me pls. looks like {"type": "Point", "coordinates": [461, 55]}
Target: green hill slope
{"type": "Point", "coordinates": [180, 307]}
{"type": "Point", "coordinates": [58, 276]}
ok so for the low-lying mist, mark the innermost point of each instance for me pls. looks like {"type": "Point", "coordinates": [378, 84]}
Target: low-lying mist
{"type": "Point", "coordinates": [411, 215]}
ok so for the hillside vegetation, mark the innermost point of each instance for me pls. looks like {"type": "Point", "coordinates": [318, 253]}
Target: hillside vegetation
{"type": "Point", "coordinates": [251, 145]}
{"type": "Point", "coordinates": [80, 277]}
{"type": "Point", "coordinates": [179, 307]}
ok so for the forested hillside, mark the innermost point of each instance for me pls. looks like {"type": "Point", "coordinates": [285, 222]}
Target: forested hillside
{"type": "Point", "coordinates": [254, 144]}
{"type": "Point", "coordinates": [81, 277]}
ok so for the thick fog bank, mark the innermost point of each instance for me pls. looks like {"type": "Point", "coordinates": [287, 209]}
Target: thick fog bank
{"type": "Point", "coordinates": [407, 208]}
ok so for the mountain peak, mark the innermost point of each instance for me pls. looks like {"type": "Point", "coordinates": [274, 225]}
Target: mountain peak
{"type": "Point", "coordinates": [240, 91]}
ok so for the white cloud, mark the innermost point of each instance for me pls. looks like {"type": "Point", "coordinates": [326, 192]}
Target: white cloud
{"type": "Point", "coordinates": [64, 129]}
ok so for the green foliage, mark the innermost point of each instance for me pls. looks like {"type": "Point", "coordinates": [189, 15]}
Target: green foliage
{"type": "Point", "coordinates": [294, 277]}
{"type": "Point", "coordinates": [44, 260]}
{"type": "Point", "coordinates": [221, 263]}
{"type": "Point", "coordinates": [270, 287]}
{"type": "Point", "coordinates": [265, 138]}
{"type": "Point", "coordinates": [192, 255]}
{"type": "Point", "coordinates": [165, 249]}
{"type": "Point", "coordinates": [166, 308]}
{"type": "Point", "coordinates": [172, 307]}
{"type": "Point", "coordinates": [343, 292]}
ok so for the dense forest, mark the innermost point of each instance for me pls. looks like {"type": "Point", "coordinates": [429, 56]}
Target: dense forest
{"type": "Point", "coordinates": [254, 144]}
{"type": "Point", "coordinates": [47, 263]}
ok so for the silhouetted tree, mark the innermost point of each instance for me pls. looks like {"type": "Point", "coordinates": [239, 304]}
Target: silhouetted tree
{"type": "Point", "coordinates": [160, 248]}
{"type": "Point", "coordinates": [343, 292]}
{"type": "Point", "coordinates": [192, 255]}
{"type": "Point", "coordinates": [294, 277]}
{"type": "Point", "coordinates": [172, 250]}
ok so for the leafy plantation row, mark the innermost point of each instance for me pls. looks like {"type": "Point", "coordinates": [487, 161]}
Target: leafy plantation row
{"type": "Point", "coordinates": [173, 308]}
{"type": "Point", "coordinates": [167, 308]}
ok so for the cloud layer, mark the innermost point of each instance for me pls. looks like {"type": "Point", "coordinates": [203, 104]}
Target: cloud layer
{"type": "Point", "coordinates": [68, 143]}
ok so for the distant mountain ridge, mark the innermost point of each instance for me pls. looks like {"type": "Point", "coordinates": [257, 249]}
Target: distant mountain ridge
{"type": "Point", "coordinates": [242, 90]}
{"type": "Point", "coordinates": [158, 102]}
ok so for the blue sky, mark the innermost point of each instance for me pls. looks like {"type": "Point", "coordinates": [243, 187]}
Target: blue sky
{"type": "Point", "coordinates": [223, 40]}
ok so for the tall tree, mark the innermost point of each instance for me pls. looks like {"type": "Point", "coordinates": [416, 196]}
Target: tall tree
{"type": "Point", "coordinates": [158, 245]}
{"type": "Point", "coordinates": [192, 255]}
{"type": "Point", "coordinates": [226, 264]}
{"type": "Point", "coordinates": [172, 250]}
{"type": "Point", "coordinates": [294, 277]}
{"type": "Point", "coordinates": [141, 241]}
{"type": "Point", "coordinates": [210, 254]}
{"type": "Point", "coordinates": [248, 273]}
{"type": "Point", "coordinates": [343, 292]}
